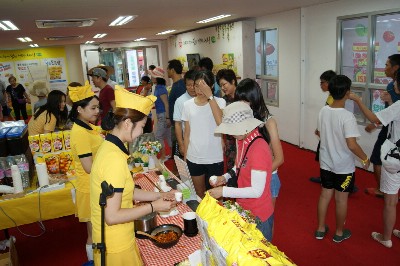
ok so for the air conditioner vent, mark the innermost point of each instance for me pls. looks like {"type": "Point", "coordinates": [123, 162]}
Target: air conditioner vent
{"type": "Point", "coordinates": [63, 38]}
{"type": "Point", "coordinates": [65, 23]}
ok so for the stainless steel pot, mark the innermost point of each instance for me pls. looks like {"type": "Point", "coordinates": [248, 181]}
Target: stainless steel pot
{"type": "Point", "coordinates": [146, 223]}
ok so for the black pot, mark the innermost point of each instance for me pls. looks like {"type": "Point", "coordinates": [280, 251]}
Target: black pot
{"type": "Point", "coordinates": [145, 224]}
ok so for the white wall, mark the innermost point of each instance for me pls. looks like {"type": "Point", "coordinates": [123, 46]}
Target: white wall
{"type": "Point", "coordinates": [288, 112]}
{"type": "Point", "coordinates": [241, 36]}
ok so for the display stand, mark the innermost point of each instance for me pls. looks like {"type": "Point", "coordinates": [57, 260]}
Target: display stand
{"type": "Point", "coordinates": [106, 191]}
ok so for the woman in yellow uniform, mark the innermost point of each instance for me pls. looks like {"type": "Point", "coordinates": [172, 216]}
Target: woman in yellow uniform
{"type": "Point", "coordinates": [49, 116]}
{"type": "Point", "coordinates": [85, 140]}
{"type": "Point", "coordinates": [126, 124]}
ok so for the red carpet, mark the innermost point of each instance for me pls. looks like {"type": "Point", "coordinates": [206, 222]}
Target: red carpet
{"type": "Point", "coordinates": [295, 222]}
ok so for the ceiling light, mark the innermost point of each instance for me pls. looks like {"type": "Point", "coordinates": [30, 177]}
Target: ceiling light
{"type": "Point", "coordinates": [7, 25]}
{"type": "Point", "coordinates": [140, 39]}
{"type": "Point", "coordinates": [213, 18]}
{"type": "Point", "coordinates": [24, 39]}
{"type": "Point", "coordinates": [65, 23]}
{"type": "Point", "coordinates": [165, 32]}
{"type": "Point", "coordinates": [33, 45]}
{"type": "Point", "coordinates": [99, 35]}
{"type": "Point", "coordinates": [89, 42]}
{"type": "Point", "coordinates": [122, 20]}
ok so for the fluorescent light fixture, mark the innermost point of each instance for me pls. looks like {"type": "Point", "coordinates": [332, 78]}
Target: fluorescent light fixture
{"type": "Point", "coordinates": [24, 39]}
{"type": "Point", "coordinates": [89, 42]}
{"type": "Point", "coordinates": [122, 20]}
{"type": "Point", "coordinates": [99, 35]}
{"type": "Point", "coordinates": [7, 25]}
{"type": "Point", "coordinates": [165, 32]}
{"type": "Point", "coordinates": [140, 39]}
{"type": "Point", "coordinates": [33, 45]}
{"type": "Point", "coordinates": [213, 18]}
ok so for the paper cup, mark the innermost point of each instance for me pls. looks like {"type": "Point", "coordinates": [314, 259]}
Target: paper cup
{"type": "Point", "coordinates": [178, 196]}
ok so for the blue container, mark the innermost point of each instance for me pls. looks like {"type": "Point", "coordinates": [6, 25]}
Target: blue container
{"type": "Point", "coordinates": [17, 140]}
{"type": "Point", "coordinates": [3, 141]}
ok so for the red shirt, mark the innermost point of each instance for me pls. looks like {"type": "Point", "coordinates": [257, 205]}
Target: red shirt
{"type": "Point", "coordinates": [106, 95]}
{"type": "Point", "coordinates": [258, 158]}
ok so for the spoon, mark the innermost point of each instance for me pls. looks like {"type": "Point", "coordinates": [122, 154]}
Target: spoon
{"type": "Point", "coordinates": [148, 235]}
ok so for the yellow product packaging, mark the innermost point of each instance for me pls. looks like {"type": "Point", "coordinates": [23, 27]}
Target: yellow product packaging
{"type": "Point", "coordinates": [45, 142]}
{"type": "Point", "coordinates": [34, 143]}
{"type": "Point", "coordinates": [66, 163]}
{"type": "Point", "coordinates": [57, 142]}
{"type": "Point", "coordinates": [66, 135]}
{"type": "Point", "coordinates": [208, 208]}
{"type": "Point", "coordinates": [52, 162]}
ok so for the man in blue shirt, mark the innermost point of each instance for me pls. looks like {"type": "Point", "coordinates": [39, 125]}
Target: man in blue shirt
{"type": "Point", "coordinates": [178, 88]}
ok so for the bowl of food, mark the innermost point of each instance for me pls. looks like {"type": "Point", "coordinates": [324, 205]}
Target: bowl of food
{"type": "Point", "coordinates": [167, 235]}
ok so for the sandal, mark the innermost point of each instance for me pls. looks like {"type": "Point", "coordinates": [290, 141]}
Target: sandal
{"type": "Point", "coordinates": [320, 235]}
{"type": "Point", "coordinates": [396, 233]}
{"type": "Point", "coordinates": [346, 235]}
{"type": "Point", "coordinates": [378, 237]}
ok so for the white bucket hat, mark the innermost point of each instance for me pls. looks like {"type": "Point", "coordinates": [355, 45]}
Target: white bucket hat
{"type": "Point", "coordinates": [238, 119]}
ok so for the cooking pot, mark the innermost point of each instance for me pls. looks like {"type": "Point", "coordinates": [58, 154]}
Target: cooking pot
{"type": "Point", "coordinates": [145, 223]}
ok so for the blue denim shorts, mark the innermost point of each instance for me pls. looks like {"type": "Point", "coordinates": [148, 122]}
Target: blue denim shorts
{"type": "Point", "coordinates": [275, 185]}
{"type": "Point", "coordinates": [266, 227]}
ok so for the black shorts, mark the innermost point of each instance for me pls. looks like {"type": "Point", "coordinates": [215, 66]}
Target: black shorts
{"type": "Point", "coordinates": [339, 182]}
{"type": "Point", "coordinates": [205, 169]}
{"type": "Point", "coordinates": [376, 152]}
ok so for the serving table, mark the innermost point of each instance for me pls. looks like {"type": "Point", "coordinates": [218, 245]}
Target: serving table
{"type": "Point", "coordinates": [25, 210]}
{"type": "Point", "coordinates": [153, 255]}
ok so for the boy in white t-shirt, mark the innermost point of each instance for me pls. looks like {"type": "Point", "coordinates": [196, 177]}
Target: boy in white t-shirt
{"type": "Point", "coordinates": [338, 132]}
{"type": "Point", "coordinates": [389, 182]}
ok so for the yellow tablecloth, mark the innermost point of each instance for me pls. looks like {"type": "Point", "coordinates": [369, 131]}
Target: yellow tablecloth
{"type": "Point", "coordinates": [25, 210]}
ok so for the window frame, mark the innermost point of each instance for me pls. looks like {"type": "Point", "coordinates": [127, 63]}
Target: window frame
{"type": "Point", "coordinates": [264, 78]}
{"type": "Point", "coordinates": [364, 88]}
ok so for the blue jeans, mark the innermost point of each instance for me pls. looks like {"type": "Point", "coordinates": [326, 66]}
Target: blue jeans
{"type": "Point", "coordinates": [266, 227]}
{"type": "Point", "coordinates": [275, 185]}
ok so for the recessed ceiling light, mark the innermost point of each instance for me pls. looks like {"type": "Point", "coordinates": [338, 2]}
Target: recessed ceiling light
{"type": "Point", "coordinates": [213, 18]}
{"type": "Point", "coordinates": [99, 35]}
{"type": "Point", "coordinates": [33, 45]}
{"type": "Point", "coordinates": [24, 39]}
{"type": "Point", "coordinates": [140, 39]}
{"type": "Point", "coordinates": [7, 25]}
{"type": "Point", "coordinates": [122, 20]}
{"type": "Point", "coordinates": [89, 42]}
{"type": "Point", "coordinates": [165, 32]}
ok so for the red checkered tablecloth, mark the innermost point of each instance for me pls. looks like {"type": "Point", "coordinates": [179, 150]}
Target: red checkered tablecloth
{"type": "Point", "coordinates": [153, 255]}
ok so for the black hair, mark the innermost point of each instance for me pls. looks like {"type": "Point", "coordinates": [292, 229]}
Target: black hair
{"type": "Point", "coordinates": [112, 119]}
{"type": "Point", "coordinates": [175, 65]}
{"type": "Point", "coordinates": [249, 90]}
{"type": "Point", "coordinates": [52, 106]}
{"type": "Point", "coordinates": [327, 75]}
{"type": "Point", "coordinates": [208, 77]}
{"type": "Point", "coordinates": [73, 114]}
{"type": "Point", "coordinates": [190, 75]}
{"type": "Point", "coordinates": [394, 59]}
{"type": "Point", "coordinates": [160, 81]}
{"type": "Point", "coordinates": [206, 63]}
{"type": "Point", "coordinates": [228, 75]}
{"type": "Point", "coordinates": [145, 78]}
{"type": "Point", "coordinates": [152, 67]}
{"type": "Point", "coordinates": [397, 78]}
{"type": "Point", "coordinates": [339, 86]}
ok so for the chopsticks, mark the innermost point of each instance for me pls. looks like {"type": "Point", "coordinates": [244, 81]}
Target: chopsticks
{"type": "Point", "coordinates": [154, 184]}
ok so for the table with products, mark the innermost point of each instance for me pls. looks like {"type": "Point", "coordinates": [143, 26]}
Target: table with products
{"type": "Point", "coordinates": [25, 210]}
{"type": "Point", "coordinates": [153, 255]}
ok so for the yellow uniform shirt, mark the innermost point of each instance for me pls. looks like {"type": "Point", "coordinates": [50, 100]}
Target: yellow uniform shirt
{"type": "Point", "coordinates": [85, 140]}
{"type": "Point", "coordinates": [39, 125]}
{"type": "Point", "coordinates": [111, 165]}
{"type": "Point", "coordinates": [329, 100]}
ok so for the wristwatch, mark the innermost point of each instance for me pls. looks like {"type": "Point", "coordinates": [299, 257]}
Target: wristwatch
{"type": "Point", "coordinates": [211, 98]}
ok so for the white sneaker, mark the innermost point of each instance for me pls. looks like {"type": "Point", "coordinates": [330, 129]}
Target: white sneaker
{"type": "Point", "coordinates": [378, 237]}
